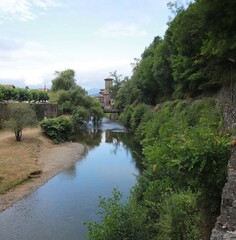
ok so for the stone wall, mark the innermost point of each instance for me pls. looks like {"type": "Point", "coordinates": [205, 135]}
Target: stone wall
{"type": "Point", "coordinates": [3, 113]}
{"type": "Point", "coordinates": [43, 110]}
{"type": "Point", "coordinates": [225, 227]}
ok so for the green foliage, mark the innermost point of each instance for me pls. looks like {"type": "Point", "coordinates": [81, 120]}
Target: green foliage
{"type": "Point", "coordinates": [117, 83]}
{"type": "Point", "coordinates": [127, 94]}
{"type": "Point", "coordinates": [180, 218]}
{"type": "Point", "coordinates": [195, 56]}
{"type": "Point", "coordinates": [21, 115]}
{"type": "Point", "coordinates": [1, 93]}
{"type": "Point", "coordinates": [96, 113]}
{"type": "Point", "coordinates": [185, 158]}
{"type": "Point", "coordinates": [79, 118]}
{"type": "Point", "coordinates": [119, 221]}
{"type": "Point", "coordinates": [64, 80]}
{"type": "Point", "coordinates": [69, 100]}
{"type": "Point", "coordinates": [136, 116]}
{"type": "Point", "coordinates": [219, 18]}
{"type": "Point", "coordinates": [185, 143]}
{"type": "Point", "coordinates": [58, 129]}
{"type": "Point", "coordinates": [125, 117]}
{"type": "Point", "coordinates": [22, 95]}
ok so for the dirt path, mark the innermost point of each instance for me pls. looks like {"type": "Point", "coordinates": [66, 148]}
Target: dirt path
{"type": "Point", "coordinates": [47, 157]}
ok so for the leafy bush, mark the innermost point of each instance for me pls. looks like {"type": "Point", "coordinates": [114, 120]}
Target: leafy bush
{"type": "Point", "coordinates": [189, 150]}
{"type": "Point", "coordinates": [180, 218]}
{"type": "Point", "coordinates": [58, 129]}
{"type": "Point", "coordinates": [96, 113]}
{"type": "Point", "coordinates": [79, 118]}
{"type": "Point", "coordinates": [119, 221]}
{"type": "Point", "coordinates": [125, 117]}
{"type": "Point", "coordinates": [137, 115]}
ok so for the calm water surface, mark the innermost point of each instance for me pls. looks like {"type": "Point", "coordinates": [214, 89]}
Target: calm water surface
{"type": "Point", "coordinates": [58, 209]}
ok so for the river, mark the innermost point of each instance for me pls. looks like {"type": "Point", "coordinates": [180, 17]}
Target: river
{"type": "Point", "coordinates": [59, 209]}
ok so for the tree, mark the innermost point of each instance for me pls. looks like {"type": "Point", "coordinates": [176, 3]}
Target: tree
{"type": "Point", "coordinates": [220, 24]}
{"type": "Point", "coordinates": [21, 115]}
{"type": "Point", "coordinates": [117, 82]}
{"type": "Point", "coordinates": [34, 95]}
{"type": "Point", "coordinates": [64, 81]}
{"type": "Point", "coordinates": [23, 95]}
{"type": "Point", "coordinates": [1, 93]}
{"type": "Point", "coordinates": [80, 117]}
{"type": "Point", "coordinates": [10, 94]}
{"type": "Point", "coordinates": [42, 96]}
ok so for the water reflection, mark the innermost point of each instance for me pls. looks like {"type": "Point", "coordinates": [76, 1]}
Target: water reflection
{"type": "Point", "coordinates": [115, 134]}
{"type": "Point", "coordinates": [71, 172]}
{"type": "Point", "coordinates": [108, 134]}
{"type": "Point", "coordinates": [129, 145]}
{"type": "Point", "coordinates": [90, 137]}
{"type": "Point", "coordinates": [59, 209]}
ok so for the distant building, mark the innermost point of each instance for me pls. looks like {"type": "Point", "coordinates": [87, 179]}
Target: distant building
{"type": "Point", "coordinates": [105, 96]}
{"type": "Point", "coordinates": [45, 89]}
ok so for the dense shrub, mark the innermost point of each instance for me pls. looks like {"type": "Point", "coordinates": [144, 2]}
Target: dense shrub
{"type": "Point", "coordinates": [119, 221]}
{"type": "Point", "coordinates": [125, 117]}
{"type": "Point", "coordinates": [79, 118]}
{"type": "Point", "coordinates": [58, 129]}
{"type": "Point", "coordinates": [189, 148]}
{"type": "Point", "coordinates": [180, 218]}
{"type": "Point", "coordinates": [137, 115]}
{"type": "Point", "coordinates": [185, 158]}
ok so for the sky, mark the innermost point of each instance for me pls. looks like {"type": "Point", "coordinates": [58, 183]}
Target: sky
{"type": "Point", "coordinates": [92, 37]}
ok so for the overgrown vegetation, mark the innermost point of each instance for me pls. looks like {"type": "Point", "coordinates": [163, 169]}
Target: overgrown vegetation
{"type": "Point", "coordinates": [185, 158]}
{"type": "Point", "coordinates": [185, 150]}
{"type": "Point", "coordinates": [196, 56]}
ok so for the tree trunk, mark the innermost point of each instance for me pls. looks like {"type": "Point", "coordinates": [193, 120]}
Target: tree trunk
{"type": "Point", "coordinates": [18, 135]}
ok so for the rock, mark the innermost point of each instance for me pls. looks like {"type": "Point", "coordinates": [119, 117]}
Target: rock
{"type": "Point", "coordinates": [35, 174]}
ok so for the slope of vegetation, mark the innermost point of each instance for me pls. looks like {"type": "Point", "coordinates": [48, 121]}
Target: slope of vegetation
{"type": "Point", "coordinates": [185, 159]}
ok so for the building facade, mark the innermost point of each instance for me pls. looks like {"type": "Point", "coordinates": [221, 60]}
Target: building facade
{"type": "Point", "coordinates": [105, 96]}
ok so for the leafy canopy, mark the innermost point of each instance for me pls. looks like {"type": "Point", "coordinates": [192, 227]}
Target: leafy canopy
{"type": "Point", "coordinates": [64, 80]}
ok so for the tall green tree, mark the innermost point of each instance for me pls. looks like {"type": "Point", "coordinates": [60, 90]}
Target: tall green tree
{"type": "Point", "coordinates": [64, 80]}
{"type": "Point", "coordinates": [116, 85]}
{"type": "Point", "coordinates": [220, 25]}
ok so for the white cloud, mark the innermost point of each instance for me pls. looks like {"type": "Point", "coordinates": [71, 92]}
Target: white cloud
{"type": "Point", "coordinates": [18, 51]}
{"type": "Point", "coordinates": [45, 3]}
{"type": "Point", "coordinates": [23, 10]}
{"type": "Point", "coordinates": [120, 29]}
{"type": "Point", "coordinates": [27, 63]}
{"type": "Point", "coordinates": [23, 62]}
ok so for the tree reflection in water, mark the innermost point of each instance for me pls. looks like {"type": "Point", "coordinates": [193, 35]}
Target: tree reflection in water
{"type": "Point", "coordinates": [92, 137]}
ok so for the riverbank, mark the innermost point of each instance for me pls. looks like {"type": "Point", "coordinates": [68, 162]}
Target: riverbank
{"type": "Point", "coordinates": [19, 161]}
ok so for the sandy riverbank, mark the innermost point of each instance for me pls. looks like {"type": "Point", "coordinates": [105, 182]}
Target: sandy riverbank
{"type": "Point", "coordinates": [40, 155]}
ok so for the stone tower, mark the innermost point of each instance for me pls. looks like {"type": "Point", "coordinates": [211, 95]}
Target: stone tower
{"type": "Point", "coordinates": [105, 93]}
